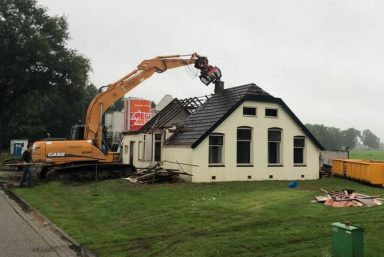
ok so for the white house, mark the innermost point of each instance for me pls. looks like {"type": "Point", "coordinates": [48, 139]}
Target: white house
{"type": "Point", "coordinates": [240, 133]}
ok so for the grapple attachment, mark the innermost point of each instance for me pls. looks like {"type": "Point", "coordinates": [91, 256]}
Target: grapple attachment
{"type": "Point", "coordinates": [208, 74]}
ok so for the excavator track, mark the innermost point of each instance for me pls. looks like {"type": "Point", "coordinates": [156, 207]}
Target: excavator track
{"type": "Point", "coordinates": [88, 171]}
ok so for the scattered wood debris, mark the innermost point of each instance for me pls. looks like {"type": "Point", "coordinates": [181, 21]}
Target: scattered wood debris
{"type": "Point", "coordinates": [155, 173]}
{"type": "Point", "coordinates": [348, 197]}
{"type": "Point", "coordinates": [12, 161]}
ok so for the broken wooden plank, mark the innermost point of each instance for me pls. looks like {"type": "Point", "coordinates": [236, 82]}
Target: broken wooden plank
{"type": "Point", "coordinates": [348, 197]}
{"type": "Point", "coordinates": [132, 180]}
{"type": "Point", "coordinates": [356, 198]}
{"type": "Point", "coordinates": [174, 172]}
{"type": "Point", "coordinates": [357, 203]}
{"type": "Point", "coordinates": [321, 199]}
{"type": "Point", "coordinates": [181, 163]}
{"type": "Point", "coordinates": [367, 202]}
{"type": "Point", "coordinates": [362, 196]}
{"type": "Point", "coordinates": [145, 176]}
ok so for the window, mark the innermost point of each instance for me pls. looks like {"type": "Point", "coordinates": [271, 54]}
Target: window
{"type": "Point", "coordinates": [249, 111]}
{"type": "Point", "coordinates": [157, 150]}
{"type": "Point", "coordinates": [244, 139]}
{"type": "Point", "coordinates": [274, 146]}
{"type": "Point", "coordinates": [140, 152]}
{"type": "Point", "coordinates": [270, 112]}
{"type": "Point", "coordinates": [131, 151]}
{"type": "Point", "coordinates": [298, 150]}
{"type": "Point", "coordinates": [216, 142]}
{"type": "Point", "coordinates": [145, 150]}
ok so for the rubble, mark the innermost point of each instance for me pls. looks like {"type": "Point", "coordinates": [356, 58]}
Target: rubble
{"type": "Point", "coordinates": [348, 197]}
{"type": "Point", "coordinates": [155, 173]}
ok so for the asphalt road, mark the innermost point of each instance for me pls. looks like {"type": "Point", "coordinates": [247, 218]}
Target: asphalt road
{"type": "Point", "coordinates": [24, 234]}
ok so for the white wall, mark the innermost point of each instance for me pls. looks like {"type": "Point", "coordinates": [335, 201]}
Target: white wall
{"type": "Point", "coordinates": [118, 121]}
{"type": "Point", "coordinates": [182, 155]}
{"type": "Point", "coordinates": [114, 121]}
{"type": "Point", "coordinates": [259, 149]}
{"type": "Point", "coordinates": [126, 150]}
{"type": "Point", "coordinates": [138, 158]}
{"type": "Point", "coordinates": [141, 158]}
{"type": "Point", "coordinates": [163, 102]}
{"type": "Point", "coordinates": [174, 154]}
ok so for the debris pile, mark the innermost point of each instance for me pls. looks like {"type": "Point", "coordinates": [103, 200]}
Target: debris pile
{"type": "Point", "coordinates": [348, 197]}
{"type": "Point", "coordinates": [155, 174]}
{"type": "Point", "coordinates": [12, 161]}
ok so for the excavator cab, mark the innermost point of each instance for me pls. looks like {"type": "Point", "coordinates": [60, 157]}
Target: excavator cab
{"type": "Point", "coordinates": [77, 132]}
{"type": "Point", "coordinates": [208, 74]}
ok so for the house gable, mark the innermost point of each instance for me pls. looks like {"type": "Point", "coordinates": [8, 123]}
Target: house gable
{"type": "Point", "coordinates": [263, 99]}
{"type": "Point", "coordinates": [259, 167]}
{"type": "Point", "coordinates": [211, 114]}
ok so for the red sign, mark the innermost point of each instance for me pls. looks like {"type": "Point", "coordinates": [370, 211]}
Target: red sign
{"type": "Point", "coordinates": [136, 113]}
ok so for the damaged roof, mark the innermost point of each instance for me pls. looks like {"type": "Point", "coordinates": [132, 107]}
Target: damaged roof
{"type": "Point", "coordinates": [174, 113]}
{"type": "Point", "coordinates": [216, 109]}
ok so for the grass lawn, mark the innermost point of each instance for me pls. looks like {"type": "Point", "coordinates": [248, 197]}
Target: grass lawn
{"type": "Point", "coordinates": [367, 154]}
{"type": "Point", "coordinates": [222, 219]}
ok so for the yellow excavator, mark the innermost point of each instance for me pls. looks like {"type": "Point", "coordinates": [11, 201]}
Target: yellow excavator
{"type": "Point", "coordinates": [87, 149]}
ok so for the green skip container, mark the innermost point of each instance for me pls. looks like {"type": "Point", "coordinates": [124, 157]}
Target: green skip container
{"type": "Point", "coordinates": [347, 240]}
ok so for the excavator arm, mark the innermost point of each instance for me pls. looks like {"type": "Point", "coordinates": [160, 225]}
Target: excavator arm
{"type": "Point", "coordinates": [116, 90]}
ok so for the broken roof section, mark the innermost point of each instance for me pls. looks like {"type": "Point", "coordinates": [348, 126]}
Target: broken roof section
{"type": "Point", "coordinates": [216, 109]}
{"type": "Point", "coordinates": [211, 114]}
{"type": "Point", "coordinates": [174, 113]}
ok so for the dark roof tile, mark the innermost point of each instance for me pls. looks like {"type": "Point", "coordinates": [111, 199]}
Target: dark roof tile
{"type": "Point", "coordinates": [209, 115]}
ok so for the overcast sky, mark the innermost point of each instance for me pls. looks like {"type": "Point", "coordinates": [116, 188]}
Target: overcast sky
{"type": "Point", "coordinates": [325, 59]}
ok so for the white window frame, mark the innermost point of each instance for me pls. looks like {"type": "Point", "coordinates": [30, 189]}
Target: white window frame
{"type": "Point", "coordinates": [145, 149]}
{"type": "Point", "coordinates": [221, 147]}
{"type": "Point", "coordinates": [250, 115]}
{"type": "Point", "coordinates": [268, 116]}
{"type": "Point", "coordinates": [140, 152]}
{"type": "Point", "coordinates": [280, 148]}
{"type": "Point", "coordinates": [244, 140]}
{"type": "Point", "coordinates": [154, 145]}
{"type": "Point", "coordinates": [299, 147]}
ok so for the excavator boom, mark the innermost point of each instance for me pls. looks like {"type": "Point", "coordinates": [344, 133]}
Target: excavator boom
{"type": "Point", "coordinates": [86, 149]}
{"type": "Point", "coordinates": [146, 69]}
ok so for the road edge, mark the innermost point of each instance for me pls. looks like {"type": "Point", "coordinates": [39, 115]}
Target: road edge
{"type": "Point", "coordinates": [27, 208]}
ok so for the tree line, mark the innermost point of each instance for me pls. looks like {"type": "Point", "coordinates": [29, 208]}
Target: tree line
{"type": "Point", "coordinates": [44, 84]}
{"type": "Point", "coordinates": [337, 139]}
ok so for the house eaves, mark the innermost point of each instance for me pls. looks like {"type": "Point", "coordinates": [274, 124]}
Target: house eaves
{"type": "Point", "coordinates": [195, 131]}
